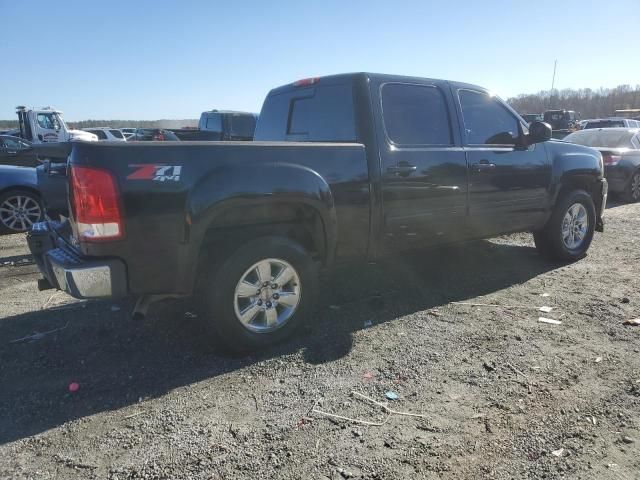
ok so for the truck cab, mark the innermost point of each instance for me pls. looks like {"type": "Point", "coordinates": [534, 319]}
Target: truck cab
{"type": "Point", "coordinates": [45, 125]}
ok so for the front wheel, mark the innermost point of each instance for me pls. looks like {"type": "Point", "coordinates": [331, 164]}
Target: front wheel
{"type": "Point", "coordinates": [569, 232]}
{"type": "Point", "coordinates": [259, 295]}
{"type": "Point", "coordinates": [19, 210]}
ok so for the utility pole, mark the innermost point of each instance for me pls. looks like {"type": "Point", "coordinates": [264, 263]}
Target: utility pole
{"type": "Point", "coordinates": [553, 80]}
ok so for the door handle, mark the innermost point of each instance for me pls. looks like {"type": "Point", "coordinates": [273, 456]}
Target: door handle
{"type": "Point", "coordinates": [483, 165]}
{"type": "Point", "coordinates": [402, 169]}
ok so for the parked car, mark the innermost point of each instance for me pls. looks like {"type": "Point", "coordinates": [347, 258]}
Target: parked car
{"type": "Point", "coordinates": [20, 203]}
{"type": "Point", "coordinates": [153, 135]}
{"type": "Point", "coordinates": [620, 148]}
{"type": "Point", "coordinates": [127, 132]}
{"type": "Point", "coordinates": [221, 125]}
{"type": "Point", "coordinates": [18, 152]}
{"type": "Point", "coordinates": [107, 133]}
{"type": "Point", "coordinates": [610, 123]}
{"type": "Point", "coordinates": [532, 117]}
{"type": "Point", "coordinates": [379, 164]}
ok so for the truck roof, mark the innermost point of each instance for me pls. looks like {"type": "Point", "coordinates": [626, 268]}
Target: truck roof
{"type": "Point", "coordinates": [342, 77]}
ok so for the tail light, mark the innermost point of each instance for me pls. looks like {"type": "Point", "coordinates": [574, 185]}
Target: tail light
{"type": "Point", "coordinates": [95, 204]}
{"type": "Point", "coordinates": [610, 160]}
{"type": "Point", "coordinates": [158, 137]}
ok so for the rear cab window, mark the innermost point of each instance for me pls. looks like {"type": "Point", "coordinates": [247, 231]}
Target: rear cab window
{"type": "Point", "coordinates": [322, 112]}
{"type": "Point", "coordinates": [415, 115]}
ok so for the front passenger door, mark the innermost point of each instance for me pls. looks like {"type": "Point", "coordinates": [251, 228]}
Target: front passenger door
{"type": "Point", "coordinates": [507, 181]}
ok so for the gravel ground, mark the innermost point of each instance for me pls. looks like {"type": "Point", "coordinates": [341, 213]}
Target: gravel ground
{"type": "Point", "coordinates": [501, 395]}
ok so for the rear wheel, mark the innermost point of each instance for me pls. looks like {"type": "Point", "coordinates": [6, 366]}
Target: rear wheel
{"type": "Point", "coordinates": [632, 192]}
{"type": "Point", "coordinates": [19, 210]}
{"type": "Point", "coordinates": [259, 295]}
{"type": "Point", "coordinates": [568, 233]}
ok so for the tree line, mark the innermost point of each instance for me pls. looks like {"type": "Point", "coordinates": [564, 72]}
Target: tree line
{"type": "Point", "coordinates": [590, 103]}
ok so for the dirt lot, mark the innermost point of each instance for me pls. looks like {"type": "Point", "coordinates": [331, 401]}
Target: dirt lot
{"type": "Point", "coordinates": [503, 395]}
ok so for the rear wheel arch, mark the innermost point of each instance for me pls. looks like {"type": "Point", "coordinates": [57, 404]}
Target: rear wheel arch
{"type": "Point", "coordinates": [237, 225]}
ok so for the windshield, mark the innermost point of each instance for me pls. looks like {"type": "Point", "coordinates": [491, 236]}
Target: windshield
{"type": "Point", "coordinates": [602, 138]}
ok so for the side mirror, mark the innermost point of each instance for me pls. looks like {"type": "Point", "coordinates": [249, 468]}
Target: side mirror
{"type": "Point", "coordinates": [539, 132]}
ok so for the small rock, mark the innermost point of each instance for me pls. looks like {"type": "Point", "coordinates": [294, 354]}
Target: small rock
{"type": "Point", "coordinates": [518, 338]}
{"type": "Point", "coordinates": [489, 366]}
{"type": "Point", "coordinates": [558, 453]}
{"type": "Point", "coordinates": [625, 300]}
{"type": "Point", "coordinates": [344, 473]}
{"type": "Point", "coordinates": [627, 439]}
{"type": "Point", "coordinates": [598, 359]}
{"type": "Point", "coordinates": [356, 433]}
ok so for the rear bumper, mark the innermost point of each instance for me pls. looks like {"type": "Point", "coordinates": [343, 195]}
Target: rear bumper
{"type": "Point", "coordinates": [63, 267]}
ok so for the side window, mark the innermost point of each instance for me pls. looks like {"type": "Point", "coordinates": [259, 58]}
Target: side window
{"type": "Point", "coordinates": [47, 121]}
{"type": "Point", "coordinates": [11, 144]}
{"type": "Point", "coordinates": [486, 121]}
{"type": "Point", "coordinates": [415, 115]}
{"type": "Point", "coordinates": [99, 133]}
{"type": "Point", "coordinates": [636, 141]}
{"type": "Point", "coordinates": [116, 133]}
{"type": "Point", "coordinates": [214, 123]}
{"type": "Point", "coordinates": [243, 125]}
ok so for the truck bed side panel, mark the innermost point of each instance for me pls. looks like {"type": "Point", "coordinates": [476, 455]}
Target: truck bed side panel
{"type": "Point", "coordinates": [170, 191]}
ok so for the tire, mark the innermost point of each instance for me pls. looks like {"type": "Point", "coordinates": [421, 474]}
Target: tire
{"type": "Point", "coordinates": [632, 191]}
{"type": "Point", "coordinates": [569, 232]}
{"type": "Point", "coordinates": [19, 210]}
{"type": "Point", "coordinates": [227, 295]}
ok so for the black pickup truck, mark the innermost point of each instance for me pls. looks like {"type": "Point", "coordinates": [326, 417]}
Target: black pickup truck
{"type": "Point", "coordinates": [346, 167]}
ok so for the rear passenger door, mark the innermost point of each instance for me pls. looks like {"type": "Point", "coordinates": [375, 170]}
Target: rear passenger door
{"type": "Point", "coordinates": [507, 182]}
{"type": "Point", "coordinates": [424, 170]}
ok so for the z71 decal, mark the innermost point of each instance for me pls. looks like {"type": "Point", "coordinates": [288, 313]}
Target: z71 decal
{"type": "Point", "coordinates": [157, 173]}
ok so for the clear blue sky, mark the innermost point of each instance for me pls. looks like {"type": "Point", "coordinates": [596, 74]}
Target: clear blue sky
{"type": "Point", "coordinates": [162, 59]}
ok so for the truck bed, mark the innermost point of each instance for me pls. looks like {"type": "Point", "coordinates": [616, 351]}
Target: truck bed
{"type": "Point", "coordinates": [172, 193]}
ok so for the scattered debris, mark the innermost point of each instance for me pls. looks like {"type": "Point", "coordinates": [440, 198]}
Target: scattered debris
{"type": "Point", "coordinates": [545, 309]}
{"type": "Point", "coordinates": [368, 375]}
{"type": "Point", "coordinates": [545, 294]}
{"type": "Point", "coordinates": [115, 308]}
{"type": "Point", "coordinates": [558, 453]}
{"type": "Point", "coordinates": [334, 307]}
{"type": "Point", "coordinates": [634, 323]}
{"type": "Point", "coordinates": [549, 320]}
{"type": "Point", "coordinates": [628, 440]}
{"type": "Point", "coordinates": [367, 323]}
{"type": "Point", "coordinates": [38, 335]}
{"type": "Point", "coordinates": [598, 359]}
{"type": "Point", "coordinates": [190, 315]}
{"type": "Point", "coordinates": [74, 387]}
{"type": "Point", "coordinates": [129, 416]}
{"type": "Point", "coordinates": [391, 395]}
{"type": "Point", "coordinates": [361, 396]}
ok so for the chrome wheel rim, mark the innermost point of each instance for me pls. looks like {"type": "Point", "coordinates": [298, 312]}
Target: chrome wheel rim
{"type": "Point", "coordinates": [635, 187]}
{"type": "Point", "coordinates": [20, 212]}
{"type": "Point", "coordinates": [575, 226]}
{"type": "Point", "coordinates": [267, 295]}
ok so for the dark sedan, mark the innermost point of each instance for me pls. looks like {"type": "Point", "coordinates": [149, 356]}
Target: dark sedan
{"type": "Point", "coordinates": [153, 135]}
{"type": "Point", "coordinates": [18, 152]}
{"type": "Point", "coordinates": [620, 148]}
